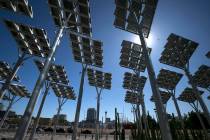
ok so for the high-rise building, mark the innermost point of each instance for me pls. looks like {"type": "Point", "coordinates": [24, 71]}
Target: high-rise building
{"type": "Point", "coordinates": [91, 115]}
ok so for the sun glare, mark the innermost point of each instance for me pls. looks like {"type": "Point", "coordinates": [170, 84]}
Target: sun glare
{"type": "Point", "coordinates": [149, 40]}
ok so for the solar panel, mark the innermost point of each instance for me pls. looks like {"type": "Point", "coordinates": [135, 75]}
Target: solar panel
{"type": "Point", "coordinates": [133, 98]}
{"type": "Point", "coordinates": [134, 82]}
{"type": "Point", "coordinates": [20, 6]}
{"type": "Point", "coordinates": [134, 15]}
{"type": "Point", "coordinates": [19, 90]}
{"type": "Point", "coordinates": [56, 73]}
{"type": "Point", "coordinates": [99, 79]}
{"type": "Point", "coordinates": [188, 95]}
{"type": "Point", "coordinates": [87, 51]}
{"type": "Point", "coordinates": [208, 55]}
{"type": "Point", "coordinates": [30, 40]}
{"type": "Point", "coordinates": [80, 20]}
{"type": "Point", "coordinates": [6, 71]}
{"type": "Point", "coordinates": [202, 77]}
{"type": "Point", "coordinates": [63, 91]}
{"type": "Point", "coordinates": [132, 56]}
{"type": "Point", "coordinates": [165, 96]}
{"type": "Point", "coordinates": [178, 51]}
{"type": "Point", "coordinates": [168, 79]}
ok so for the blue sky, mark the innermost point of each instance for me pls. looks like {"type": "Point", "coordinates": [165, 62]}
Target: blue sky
{"type": "Point", "coordinates": [188, 18]}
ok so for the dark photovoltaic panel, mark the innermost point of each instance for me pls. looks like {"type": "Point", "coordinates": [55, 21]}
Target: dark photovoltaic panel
{"type": "Point", "coordinates": [80, 20]}
{"type": "Point", "coordinates": [134, 82]}
{"type": "Point", "coordinates": [56, 73]}
{"type": "Point", "coordinates": [202, 77]}
{"type": "Point", "coordinates": [178, 51]}
{"type": "Point", "coordinates": [208, 55]}
{"type": "Point", "coordinates": [64, 91]}
{"type": "Point", "coordinates": [87, 51]}
{"type": "Point", "coordinates": [128, 12]}
{"type": "Point", "coordinates": [165, 96]}
{"type": "Point", "coordinates": [99, 79]}
{"type": "Point", "coordinates": [168, 79]}
{"type": "Point", "coordinates": [132, 56]}
{"type": "Point", "coordinates": [132, 98]}
{"type": "Point", "coordinates": [188, 95]}
{"type": "Point", "coordinates": [30, 40]}
{"type": "Point", "coordinates": [20, 6]}
{"type": "Point", "coordinates": [5, 71]}
{"type": "Point", "coordinates": [19, 90]}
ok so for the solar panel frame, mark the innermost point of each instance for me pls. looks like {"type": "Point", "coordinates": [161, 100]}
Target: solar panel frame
{"type": "Point", "coordinates": [134, 82]}
{"type": "Point", "coordinates": [165, 96]}
{"type": "Point", "coordinates": [144, 11]}
{"type": "Point", "coordinates": [20, 6]}
{"type": "Point", "coordinates": [99, 79]}
{"type": "Point", "coordinates": [30, 40]}
{"type": "Point", "coordinates": [6, 70]}
{"type": "Point", "coordinates": [56, 73]}
{"type": "Point", "coordinates": [188, 95]}
{"type": "Point", "coordinates": [168, 79]}
{"type": "Point", "coordinates": [178, 51]}
{"type": "Point", "coordinates": [19, 90]}
{"type": "Point", "coordinates": [80, 18]}
{"type": "Point", "coordinates": [132, 56]}
{"type": "Point", "coordinates": [63, 91]}
{"type": "Point", "coordinates": [202, 77]}
{"type": "Point", "coordinates": [87, 51]}
{"type": "Point", "coordinates": [133, 98]}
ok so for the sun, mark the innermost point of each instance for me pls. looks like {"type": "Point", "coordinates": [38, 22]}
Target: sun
{"type": "Point", "coordinates": [149, 40]}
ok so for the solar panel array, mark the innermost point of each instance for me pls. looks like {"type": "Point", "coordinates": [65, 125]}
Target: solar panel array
{"type": "Point", "coordinates": [134, 82]}
{"type": "Point", "coordinates": [208, 55]}
{"type": "Point", "coordinates": [31, 40]}
{"type": "Point", "coordinates": [132, 56]}
{"type": "Point", "coordinates": [128, 11]}
{"type": "Point", "coordinates": [64, 91]}
{"type": "Point", "coordinates": [19, 90]}
{"type": "Point", "coordinates": [20, 6]}
{"type": "Point", "coordinates": [80, 20]}
{"type": "Point", "coordinates": [202, 77]}
{"type": "Point", "coordinates": [178, 51]}
{"type": "Point", "coordinates": [168, 79]}
{"type": "Point", "coordinates": [132, 98]}
{"type": "Point", "coordinates": [165, 96]}
{"type": "Point", "coordinates": [99, 79]}
{"type": "Point", "coordinates": [87, 51]}
{"type": "Point", "coordinates": [6, 71]}
{"type": "Point", "coordinates": [188, 95]}
{"type": "Point", "coordinates": [56, 73]}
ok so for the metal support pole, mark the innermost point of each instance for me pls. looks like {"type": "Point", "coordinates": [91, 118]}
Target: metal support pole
{"type": "Point", "coordinates": [56, 119]}
{"type": "Point", "coordinates": [198, 96]}
{"type": "Point", "coordinates": [79, 101]}
{"type": "Point", "coordinates": [97, 115]}
{"type": "Point", "coordinates": [144, 114]}
{"type": "Point", "coordinates": [26, 119]}
{"type": "Point", "coordinates": [138, 116]}
{"type": "Point", "coordinates": [5, 86]}
{"type": "Point", "coordinates": [178, 110]}
{"type": "Point", "coordinates": [7, 111]}
{"type": "Point", "coordinates": [163, 121]}
{"type": "Point", "coordinates": [39, 113]}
